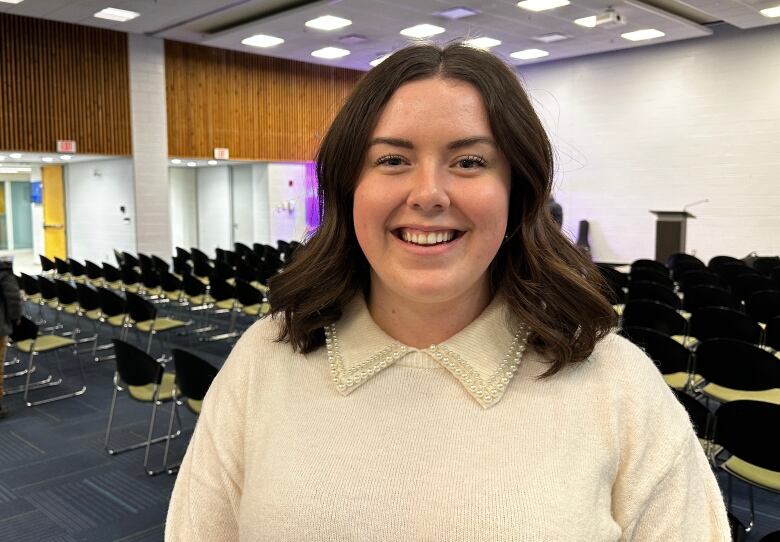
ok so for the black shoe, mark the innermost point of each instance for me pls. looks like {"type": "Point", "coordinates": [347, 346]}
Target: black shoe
{"type": "Point", "coordinates": [3, 411]}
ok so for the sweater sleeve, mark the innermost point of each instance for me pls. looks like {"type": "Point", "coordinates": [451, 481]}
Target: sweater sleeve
{"type": "Point", "coordinates": [207, 495]}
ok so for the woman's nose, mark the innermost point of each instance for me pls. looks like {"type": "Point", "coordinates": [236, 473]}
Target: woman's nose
{"type": "Point", "coordinates": [428, 190]}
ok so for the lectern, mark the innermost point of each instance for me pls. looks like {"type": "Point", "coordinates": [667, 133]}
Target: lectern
{"type": "Point", "coordinates": [669, 233]}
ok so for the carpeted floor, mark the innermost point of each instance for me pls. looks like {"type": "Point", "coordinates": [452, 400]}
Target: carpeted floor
{"type": "Point", "coordinates": [57, 484]}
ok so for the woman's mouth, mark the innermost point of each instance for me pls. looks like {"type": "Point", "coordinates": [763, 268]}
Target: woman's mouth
{"type": "Point", "coordinates": [427, 238]}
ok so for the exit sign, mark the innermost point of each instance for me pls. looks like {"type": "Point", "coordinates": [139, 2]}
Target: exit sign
{"type": "Point", "coordinates": [66, 146]}
{"type": "Point", "coordinates": [221, 153]}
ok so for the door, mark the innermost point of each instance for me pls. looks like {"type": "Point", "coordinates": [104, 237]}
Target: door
{"type": "Point", "coordinates": [53, 212]}
{"type": "Point", "coordinates": [21, 214]}
{"type": "Point", "coordinates": [241, 196]}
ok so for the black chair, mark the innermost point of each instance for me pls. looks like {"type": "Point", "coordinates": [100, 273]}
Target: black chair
{"type": "Point", "coordinates": [145, 262]}
{"type": "Point", "coordinates": [67, 299]}
{"type": "Point", "coordinates": [692, 279]}
{"type": "Point", "coordinates": [736, 370]}
{"type": "Point", "coordinates": [128, 260]}
{"type": "Point", "coordinates": [649, 264]}
{"type": "Point", "coordinates": [671, 358]}
{"type": "Point", "coordinates": [112, 278]}
{"type": "Point", "coordinates": [150, 282]}
{"type": "Point", "coordinates": [654, 315]}
{"type": "Point", "coordinates": [131, 279]}
{"type": "Point", "coordinates": [112, 312]}
{"type": "Point", "coordinates": [49, 298]}
{"type": "Point", "coordinates": [251, 301]}
{"type": "Point", "coordinates": [775, 274]}
{"type": "Point", "coordinates": [616, 280]}
{"type": "Point", "coordinates": [763, 305]}
{"type": "Point", "coordinates": [717, 261]}
{"type": "Point", "coordinates": [685, 267]}
{"type": "Point", "coordinates": [183, 254]}
{"type": "Point", "coordinates": [145, 380]}
{"type": "Point", "coordinates": [223, 271]}
{"type": "Point", "coordinates": [241, 249]}
{"type": "Point", "coordinates": [748, 431]}
{"type": "Point", "coordinates": [720, 322]}
{"type": "Point", "coordinates": [697, 297]}
{"type": "Point", "coordinates": [181, 267]}
{"type": "Point", "coordinates": [94, 273]}
{"type": "Point", "coordinates": [159, 264]}
{"type": "Point", "coordinates": [772, 333]}
{"type": "Point", "coordinates": [77, 270]}
{"type": "Point", "coordinates": [680, 258]}
{"type": "Point", "coordinates": [700, 416]}
{"type": "Point", "coordinates": [746, 284]}
{"type": "Point", "coordinates": [170, 286]}
{"type": "Point", "coordinates": [47, 265]}
{"type": "Point", "coordinates": [730, 270]}
{"type": "Point", "coordinates": [89, 308]}
{"type": "Point", "coordinates": [765, 264]}
{"type": "Point", "coordinates": [645, 274]}
{"type": "Point", "coordinates": [652, 291]}
{"type": "Point", "coordinates": [142, 316]}
{"type": "Point", "coordinates": [201, 267]}
{"type": "Point", "coordinates": [62, 268]}
{"type": "Point", "coordinates": [30, 289]}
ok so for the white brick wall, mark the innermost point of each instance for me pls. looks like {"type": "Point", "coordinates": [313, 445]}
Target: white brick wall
{"type": "Point", "coordinates": [214, 209]}
{"type": "Point", "coordinates": [659, 127]}
{"type": "Point", "coordinates": [150, 144]}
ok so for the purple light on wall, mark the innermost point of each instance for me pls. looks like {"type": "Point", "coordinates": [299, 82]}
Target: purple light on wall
{"type": "Point", "coordinates": [312, 202]}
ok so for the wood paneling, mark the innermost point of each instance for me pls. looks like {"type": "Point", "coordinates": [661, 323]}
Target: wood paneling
{"type": "Point", "coordinates": [261, 108]}
{"type": "Point", "coordinates": [63, 81]}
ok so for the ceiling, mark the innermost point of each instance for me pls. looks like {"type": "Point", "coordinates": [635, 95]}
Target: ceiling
{"type": "Point", "coordinates": [224, 23]}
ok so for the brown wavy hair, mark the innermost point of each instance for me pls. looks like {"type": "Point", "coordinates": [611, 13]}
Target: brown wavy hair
{"type": "Point", "coordinates": [547, 282]}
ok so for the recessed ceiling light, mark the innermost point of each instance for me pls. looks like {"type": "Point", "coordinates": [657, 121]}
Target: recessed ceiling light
{"type": "Point", "coordinates": [377, 61]}
{"type": "Point", "coordinates": [422, 31]}
{"type": "Point", "coordinates": [588, 22]}
{"type": "Point", "coordinates": [15, 169]}
{"type": "Point", "coordinates": [644, 34]}
{"type": "Point", "coordinates": [212, 162]}
{"type": "Point", "coordinates": [529, 54]}
{"type": "Point", "coordinates": [15, 155]}
{"type": "Point", "coordinates": [2, 157]}
{"type": "Point", "coordinates": [12, 1]}
{"type": "Point", "coordinates": [771, 12]}
{"type": "Point", "coordinates": [191, 164]}
{"type": "Point", "coordinates": [457, 13]}
{"type": "Point", "coordinates": [328, 22]}
{"type": "Point", "coordinates": [330, 52]}
{"type": "Point", "coordinates": [542, 5]}
{"type": "Point", "coordinates": [176, 161]}
{"type": "Point", "coordinates": [551, 38]}
{"type": "Point", "coordinates": [262, 40]}
{"type": "Point", "coordinates": [114, 14]}
{"type": "Point", "coordinates": [482, 43]}
{"type": "Point", "coordinates": [66, 157]}
{"type": "Point", "coordinates": [47, 159]}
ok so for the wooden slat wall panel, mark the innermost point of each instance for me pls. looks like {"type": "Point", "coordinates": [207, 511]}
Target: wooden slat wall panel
{"type": "Point", "coordinates": [63, 81]}
{"type": "Point", "coordinates": [261, 108]}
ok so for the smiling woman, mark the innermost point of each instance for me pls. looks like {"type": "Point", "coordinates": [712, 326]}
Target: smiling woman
{"type": "Point", "coordinates": [440, 363]}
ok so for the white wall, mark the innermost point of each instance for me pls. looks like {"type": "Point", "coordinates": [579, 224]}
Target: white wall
{"type": "Point", "coordinates": [659, 127]}
{"type": "Point", "coordinates": [184, 208]}
{"type": "Point", "coordinates": [288, 226]}
{"type": "Point", "coordinates": [214, 209]}
{"type": "Point", "coordinates": [37, 217]}
{"type": "Point", "coordinates": [242, 198]}
{"type": "Point", "coordinates": [261, 204]}
{"type": "Point", "coordinates": [94, 193]}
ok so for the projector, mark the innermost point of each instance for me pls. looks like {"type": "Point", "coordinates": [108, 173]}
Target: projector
{"type": "Point", "coordinates": [610, 18]}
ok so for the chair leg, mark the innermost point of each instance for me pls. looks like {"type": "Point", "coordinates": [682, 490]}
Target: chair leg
{"type": "Point", "coordinates": [752, 510]}
{"type": "Point", "coordinates": [68, 395]}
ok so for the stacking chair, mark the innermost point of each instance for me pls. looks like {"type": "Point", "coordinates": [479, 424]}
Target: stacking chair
{"type": "Point", "coordinates": [691, 279]}
{"type": "Point", "coordinates": [142, 316]}
{"type": "Point", "coordinates": [685, 267]}
{"type": "Point", "coordinates": [150, 282]}
{"type": "Point", "coordinates": [671, 358]}
{"type": "Point", "coordinates": [747, 430]}
{"type": "Point", "coordinates": [734, 370]}
{"type": "Point", "coordinates": [94, 273]}
{"type": "Point", "coordinates": [47, 265]}
{"type": "Point", "coordinates": [201, 268]}
{"type": "Point", "coordinates": [181, 267]}
{"type": "Point", "coordinates": [681, 258]}
{"type": "Point", "coordinates": [145, 262]}
{"type": "Point", "coordinates": [128, 260]}
{"type": "Point", "coordinates": [89, 309]}
{"type": "Point", "coordinates": [241, 249]}
{"type": "Point", "coordinates": [654, 315]}
{"type": "Point", "coordinates": [649, 264]}
{"type": "Point", "coordinates": [224, 301]}
{"type": "Point", "coordinates": [112, 278]}
{"type": "Point", "coordinates": [145, 380]}
{"type": "Point", "coordinates": [170, 286]}
{"type": "Point", "coordinates": [251, 301]}
{"type": "Point", "coordinates": [720, 322]}
{"type": "Point", "coordinates": [67, 298]}
{"type": "Point", "coordinates": [193, 379]}
{"type": "Point", "coordinates": [49, 299]}
{"type": "Point", "coordinates": [763, 305]}
{"type": "Point", "coordinates": [62, 268]}
{"type": "Point", "coordinates": [746, 284]}
{"type": "Point", "coordinates": [31, 290]}
{"type": "Point", "coordinates": [78, 271]}
{"type": "Point", "coordinates": [717, 261]}
{"type": "Point", "coordinates": [26, 339]}
{"type": "Point", "coordinates": [159, 264]}
{"type": "Point", "coordinates": [131, 279]}
{"type": "Point", "coordinates": [708, 296]}
{"type": "Point", "coordinates": [701, 418]}
{"type": "Point", "coordinates": [653, 291]}
{"type": "Point", "coordinates": [184, 254]}
{"type": "Point", "coordinates": [765, 264]}
{"type": "Point", "coordinates": [112, 312]}
{"type": "Point", "coordinates": [730, 270]}
{"type": "Point", "coordinates": [646, 274]}
{"type": "Point", "coordinates": [616, 280]}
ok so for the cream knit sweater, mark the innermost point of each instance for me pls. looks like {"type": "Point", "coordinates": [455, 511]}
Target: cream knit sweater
{"type": "Point", "coordinates": [370, 440]}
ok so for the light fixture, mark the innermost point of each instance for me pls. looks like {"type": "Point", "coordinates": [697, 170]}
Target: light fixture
{"type": "Point", "coordinates": [191, 164]}
{"type": "Point", "coordinates": [15, 155]}
{"type": "Point", "coordinates": [47, 159]}
{"type": "Point", "coordinates": [641, 35]}
{"type": "Point", "coordinates": [457, 13]}
{"type": "Point", "coordinates": [542, 5]}
{"type": "Point", "coordinates": [212, 162]}
{"type": "Point", "coordinates": [482, 43]}
{"type": "Point", "coordinates": [2, 157]}
{"type": "Point", "coordinates": [378, 60]}
{"type": "Point", "coordinates": [328, 22]}
{"type": "Point", "coordinates": [529, 54]}
{"type": "Point", "coordinates": [771, 12]}
{"type": "Point", "coordinates": [588, 22]}
{"type": "Point", "coordinates": [551, 38]}
{"type": "Point", "coordinates": [422, 31]}
{"type": "Point", "coordinates": [114, 14]}
{"type": "Point", "coordinates": [66, 157]}
{"type": "Point", "coordinates": [176, 161]}
{"type": "Point", "coordinates": [607, 18]}
{"type": "Point", "coordinates": [12, 1]}
{"type": "Point", "coordinates": [330, 52]}
{"type": "Point", "coordinates": [15, 170]}
{"type": "Point", "coordinates": [262, 40]}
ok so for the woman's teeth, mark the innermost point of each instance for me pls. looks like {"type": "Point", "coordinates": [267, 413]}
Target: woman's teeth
{"type": "Point", "coordinates": [430, 238]}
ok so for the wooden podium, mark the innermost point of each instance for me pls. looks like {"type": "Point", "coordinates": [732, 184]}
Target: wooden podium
{"type": "Point", "coordinates": [669, 233]}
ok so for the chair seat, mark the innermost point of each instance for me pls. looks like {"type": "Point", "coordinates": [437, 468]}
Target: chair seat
{"type": "Point", "coordinates": [96, 282]}
{"type": "Point", "coordinates": [194, 405]}
{"type": "Point", "coordinates": [687, 342]}
{"type": "Point", "coordinates": [117, 321]}
{"type": "Point", "coordinates": [256, 309]}
{"type": "Point", "coordinates": [725, 395]}
{"type": "Point", "coordinates": [160, 324]}
{"type": "Point", "coordinates": [146, 393]}
{"type": "Point", "coordinates": [114, 285]}
{"type": "Point", "coordinates": [231, 281]}
{"type": "Point", "coordinates": [619, 309]}
{"type": "Point", "coordinates": [93, 315]}
{"type": "Point", "coordinates": [44, 343]}
{"type": "Point", "coordinates": [173, 296]}
{"type": "Point", "coordinates": [73, 308]}
{"type": "Point", "coordinates": [678, 380]}
{"type": "Point", "coordinates": [198, 299]}
{"type": "Point", "coordinates": [35, 298]}
{"type": "Point", "coordinates": [225, 304]}
{"type": "Point", "coordinates": [52, 304]}
{"type": "Point", "coordinates": [133, 288]}
{"type": "Point", "coordinates": [260, 286]}
{"type": "Point", "coordinates": [154, 291]}
{"type": "Point", "coordinates": [769, 479]}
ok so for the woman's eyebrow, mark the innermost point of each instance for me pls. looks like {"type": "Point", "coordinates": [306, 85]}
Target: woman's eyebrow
{"type": "Point", "coordinates": [395, 142]}
{"type": "Point", "coordinates": [457, 144]}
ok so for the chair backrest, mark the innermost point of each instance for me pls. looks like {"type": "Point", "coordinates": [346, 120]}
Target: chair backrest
{"type": "Point", "coordinates": [111, 303]}
{"type": "Point", "coordinates": [716, 261]}
{"type": "Point", "coordinates": [737, 364]}
{"type": "Point", "coordinates": [139, 308]}
{"type": "Point", "coordinates": [94, 271]}
{"type": "Point", "coordinates": [88, 297]}
{"type": "Point", "coordinates": [145, 262]}
{"type": "Point", "coordinates": [708, 296]}
{"type": "Point", "coordinates": [729, 270]}
{"type": "Point", "coordinates": [128, 260]}
{"type": "Point", "coordinates": [183, 254]}
{"type": "Point", "coordinates": [748, 430]}
{"type": "Point", "coordinates": [772, 333]}
{"type": "Point", "coordinates": [702, 277]}
{"type": "Point", "coordinates": [47, 264]}
{"type": "Point", "coordinates": [181, 267]}
{"type": "Point", "coordinates": [24, 329]}
{"type": "Point", "coordinates": [669, 356]}
{"type": "Point", "coordinates": [29, 284]}
{"type": "Point", "coordinates": [77, 269]}
{"type": "Point", "coordinates": [66, 293]}
{"type": "Point", "coordinates": [169, 282]}
{"type": "Point", "coordinates": [654, 315]}
{"type": "Point", "coordinates": [150, 277]}
{"type": "Point", "coordinates": [763, 305]}
{"type": "Point", "coordinates": [136, 367]}
{"type": "Point", "coordinates": [680, 258]}
{"type": "Point", "coordinates": [221, 290]}
{"type": "Point", "coordinates": [241, 249]}
{"type": "Point", "coordinates": [223, 271]}
{"type": "Point", "coordinates": [721, 322]}
{"type": "Point", "coordinates": [129, 276]}
{"type": "Point", "coordinates": [685, 267]}
{"type": "Point", "coordinates": [615, 279]}
{"type": "Point", "coordinates": [653, 291]}
{"type": "Point", "coordinates": [193, 374]}
{"type": "Point", "coordinates": [646, 274]}
{"type": "Point", "coordinates": [649, 264]}
{"type": "Point", "coordinates": [765, 264]}
{"type": "Point", "coordinates": [160, 265]}
{"type": "Point", "coordinates": [47, 288]}
{"type": "Point", "coordinates": [61, 266]}
{"type": "Point", "coordinates": [192, 286]}
{"type": "Point", "coordinates": [111, 273]}
{"type": "Point", "coordinates": [699, 414]}
{"type": "Point", "coordinates": [746, 284]}
{"type": "Point", "coordinates": [247, 294]}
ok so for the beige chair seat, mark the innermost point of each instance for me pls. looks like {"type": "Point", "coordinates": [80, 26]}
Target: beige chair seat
{"type": "Point", "coordinates": [44, 343]}
{"type": "Point", "coordinates": [678, 380]}
{"type": "Point", "coordinates": [93, 315]}
{"type": "Point", "coordinates": [114, 285]}
{"type": "Point", "coordinates": [73, 308]}
{"type": "Point", "coordinates": [225, 304]}
{"type": "Point", "coordinates": [619, 309]}
{"type": "Point", "coordinates": [260, 286]}
{"type": "Point", "coordinates": [231, 281]}
{"type": "Point", "coordinates": [52, 304]}
{"type": "Point", "coordinates": [173, 296]}
{"type": "Point", "coordinates": [159, 324]}
{"type": "Point", "coordinates": [194, 405]}
{"type": "Point", "coordinates": [725, 395]}
{"type": "Point", "coordinates": [154, 291]}
{"type": "Point", "coordinates": [199, 299]}
{"type": "Point", "coordinates": [146, 393]}
{"type": "Point", "coordinates": [769, 479]}
{"type": "Point", "coordinates": [256, 309]}
{"type": "Point", "coordinates": [687, 342]}
{"type": "Point", "coordinates": [35, 298]}
{"type": "Point", "coordinates": [117, 321]}
{"type": "Point", "coordinates": [132, 288]}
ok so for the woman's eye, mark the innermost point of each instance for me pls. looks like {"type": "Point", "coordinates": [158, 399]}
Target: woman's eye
{"type": "Point", "coordinates": [471, 162]}
{"type": "Point", "coordinates": [390, 160]}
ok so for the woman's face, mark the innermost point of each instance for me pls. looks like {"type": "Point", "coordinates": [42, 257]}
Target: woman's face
{"type": "Point", "coordinates": [430, 207]}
